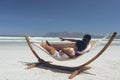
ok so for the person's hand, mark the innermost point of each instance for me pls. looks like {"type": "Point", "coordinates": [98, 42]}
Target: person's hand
{"type": "Point", "coordinates": [62, 39]}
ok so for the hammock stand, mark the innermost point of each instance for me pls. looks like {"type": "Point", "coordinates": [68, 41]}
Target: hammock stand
{"type": "Point", "coordinates": [76, 70]}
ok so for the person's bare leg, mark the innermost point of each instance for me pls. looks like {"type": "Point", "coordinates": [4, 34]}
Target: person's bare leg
{"type": "Point", "coordinates": [67, 50]}
{"type": "Point", "coordinates": [51, 49]}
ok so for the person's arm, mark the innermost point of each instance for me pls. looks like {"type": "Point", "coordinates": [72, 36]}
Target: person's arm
{"type": "Point", "coordinates": [63, 39]}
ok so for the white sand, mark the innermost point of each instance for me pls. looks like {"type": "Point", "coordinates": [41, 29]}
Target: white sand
{"type": "Point", "coordinates": [14, 58]}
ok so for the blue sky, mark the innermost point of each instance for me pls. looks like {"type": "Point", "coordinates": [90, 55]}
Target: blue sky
{"type": "Point", "coordinates": [37, 17]}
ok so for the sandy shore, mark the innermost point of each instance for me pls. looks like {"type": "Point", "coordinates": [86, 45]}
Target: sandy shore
{"type": "Point", "coordinates": [15, 57]}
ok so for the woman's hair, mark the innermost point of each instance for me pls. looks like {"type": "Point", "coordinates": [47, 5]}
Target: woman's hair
{"type": "Point", "coordinates": [81, 45]}
{"type": "Point", "coordinates": [87, 37]}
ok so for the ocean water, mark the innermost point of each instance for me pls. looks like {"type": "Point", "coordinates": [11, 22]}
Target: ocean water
{"type": "Point", "coordinates": [22, 39]}
{"type": "Point", "coordinates": [13, 39]}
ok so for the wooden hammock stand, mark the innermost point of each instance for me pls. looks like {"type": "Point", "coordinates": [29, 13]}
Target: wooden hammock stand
{"type": "Point", "coordinates": [76, 69]}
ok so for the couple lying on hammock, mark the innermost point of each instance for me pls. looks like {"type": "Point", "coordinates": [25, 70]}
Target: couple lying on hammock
{"type": "Point", "coordinates": [69, 52]}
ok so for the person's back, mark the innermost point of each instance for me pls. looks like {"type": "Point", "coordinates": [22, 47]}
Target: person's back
{"type": "Point", "coordinates": [82, 44]}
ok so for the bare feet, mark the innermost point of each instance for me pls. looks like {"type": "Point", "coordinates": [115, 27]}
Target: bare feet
{"type": "Point", "coordinates": [42, 44]}
{"type": "Point", "coordinates": [45, 44]}
{"type": "Point", "coordinates": [48, 43]}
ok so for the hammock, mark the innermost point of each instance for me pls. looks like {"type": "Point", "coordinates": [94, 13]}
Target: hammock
{"type": "Point", "coordinates": [63, 65]}
{"type": "Point", "coordinates": [62, 44]}
{"type": "Point", "coordinates": [65, 44]}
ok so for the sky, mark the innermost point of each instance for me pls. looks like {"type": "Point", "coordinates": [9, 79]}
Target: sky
{"type": "Point", "coordinates": [38, 17]}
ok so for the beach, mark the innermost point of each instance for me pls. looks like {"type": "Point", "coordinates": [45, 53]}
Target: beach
{"type": "Point", "coordinates": [16, 56]}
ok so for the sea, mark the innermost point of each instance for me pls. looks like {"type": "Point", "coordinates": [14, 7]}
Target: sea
{"type": "Point", "coordinates": [21, 39]}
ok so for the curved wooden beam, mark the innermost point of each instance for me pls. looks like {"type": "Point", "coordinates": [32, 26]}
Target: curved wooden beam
{"type": "Point", "coordinates": [95, 57]}
{"type": "Point", "coordinates": [77, 68]}
{"type": "Point", "coordinates": [35, 54]}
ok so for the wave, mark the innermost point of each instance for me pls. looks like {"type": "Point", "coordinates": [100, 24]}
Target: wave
{"type": "Point", "coordinates": [22, 39]}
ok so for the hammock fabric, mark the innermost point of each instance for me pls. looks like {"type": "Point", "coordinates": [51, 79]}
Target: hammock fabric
{"type": "Point", "coordinates": [62, 44]}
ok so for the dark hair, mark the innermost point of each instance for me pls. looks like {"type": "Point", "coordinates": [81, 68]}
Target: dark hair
{"type": "Point", "coordinates": [82, 44]}
{"type": "Point", "coordinates": [87, 36]}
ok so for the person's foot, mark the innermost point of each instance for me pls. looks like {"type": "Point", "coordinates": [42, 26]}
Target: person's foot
{"type": "Point", "coordinates": [42, 44]}
{"type": "Point", "coordinates": [48, 43]}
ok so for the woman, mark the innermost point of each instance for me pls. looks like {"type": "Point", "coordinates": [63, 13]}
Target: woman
{"type": "Point", "coordinates": [68, 52]}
